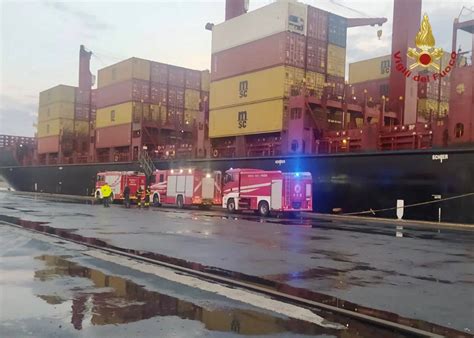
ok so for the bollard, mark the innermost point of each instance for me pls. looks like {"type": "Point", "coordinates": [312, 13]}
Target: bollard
{"type": "Point", "coordinates": [438, 197]}
{"type": "Point", "coordinates": [400, 208]}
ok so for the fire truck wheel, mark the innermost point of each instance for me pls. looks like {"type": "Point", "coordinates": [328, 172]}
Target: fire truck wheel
{"type": "Point", "coordinates": [231, 205]}
{"type": "Point", "coordinates": [156, 201]}
{"type": "Point", "coordinates": [179, 202]}
{"type": "Point", "coordinates": [263, 208]}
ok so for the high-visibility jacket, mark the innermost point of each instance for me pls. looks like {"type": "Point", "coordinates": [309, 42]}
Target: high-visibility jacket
{"type": "Point", "coordinates": [106, 191]}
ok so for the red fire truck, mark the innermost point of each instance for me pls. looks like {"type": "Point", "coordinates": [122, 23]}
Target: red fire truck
{"type": "Point", "coordinates": [186, 187]}
{"type": "Point", "coordinates": [118, 180]}
{"type": "Point", "coordinates": [266, 191]}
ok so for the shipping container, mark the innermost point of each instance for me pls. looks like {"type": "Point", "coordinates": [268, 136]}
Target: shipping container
{"type": "Point", "coordinates": [337, 84]}
{"type": "Point", "coordinates": [205, 80]}
{"type": "Point", "coordinates": [133, 68]}
{"type": "Point", "coordinates": [159, 93]}
{"type": "Point", "coordinates": [55, 127]}
{"type": "Point", "coordinates": [193, 79]}
{"type": "Point", "coordinates": [175, 117]}
{"type": "Point", "coordinates": [49, 144]}
{"type": "Point", "coordinates": [191, 99]}
{"type": "Point", "coordinates": [284, 48]}
{"type": "Point", "coordinates": [336, 61]}
{"type": "Point", "coordinates": [337, 30]}
{"type": "Point", "coordinates": [82, 111]}
{"type": "Point", "coordinates": [159, 113]}
{"type": "Point", "coordinates": [113, 136]}
{"type": "Point", "coordinates": [176, 76]}
{"type": "Point", "coordinates": [275, 18]}
{"type": "Point", "coordinates": [81, 127]}
{"type": "Point", "coordinates": [432, 109]}
{"type": "Point", "coordinates": [316, 55]}
{"type": "Point", "coordinates": [60, 93]}
{"type": "Point", "coordinates": [176, 96]}
{"type": "Point", "coordinates": [372, 69]}
{"type": "Point", "coordinates": [375, 90]}
{"type": "Point", "coordinates": [56, 110]}
{"type": "Point", "coordinates": [317, 24]}
{"type": "Point", "coordinates": [116, 114]}
{"type": "Point", "coordinates": [125, 91]}
{"type": "Point", "coordinates": [190, 117]}
{"type": "Point", "coordinates": [315, 82]}
{"type": "Point", "coordinates": [159, 72]}
{"type": "Point", "coordinates": [247, 119]}
{"type": "Point", "coordinates": [268, 84]}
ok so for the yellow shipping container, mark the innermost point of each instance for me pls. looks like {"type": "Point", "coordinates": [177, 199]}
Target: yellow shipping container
{"type": "Point", "coordinates": [372, 69]}
{"type": "Point", "coordinates": [315, 81]}
{"type": "Point", "coordinates": [247, 119]}
{"type": "Point", "coordinates": [427, 107]}
{"type": "Point", "coordinates": [61, 93]}
{"type": "Point", "coordinates": [116, 115]}
{"type": "Point", "coordinates": [191, 99]}
{"type": "Point", "coordinates": [190, 116]}
{"type": "Point", "coordinates": [55, 127]}
{"type": "Point", "coordinates": [269, 84]}
{"type": "Point", "coordinates": [81, 127]}
{"type": "Point", "coordinates": [133, 68]}
{"type": "Point", "coordinates": [55, 111]}
{"type": "Point", "coordinates": [336, 60]}
{"type": "Point", "coordinates": [205, 80]}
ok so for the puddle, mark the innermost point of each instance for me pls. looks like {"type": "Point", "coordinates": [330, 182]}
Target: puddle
{"type": "Point", "coordinates": [115, 300]}
{"type": "Point", "coordinates": [271, 284]}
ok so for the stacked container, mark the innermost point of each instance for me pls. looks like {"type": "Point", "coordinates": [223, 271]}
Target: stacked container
{"type": "Point", "coordinates": [138, 93]}
{"type": "Point", "coordinates": [56, 117]}
{"type": "Point", "coordinates": [261, 58]}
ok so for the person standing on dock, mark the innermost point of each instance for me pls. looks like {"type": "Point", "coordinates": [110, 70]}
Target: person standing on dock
{"type": "Point", "coordinates": [138, 196]}
{"type": "Point", "coordinates": [147, 197]}
{"type": "Point", "coordinates": [106, 192]}
{"type": "Point", "coordinates": [126, 197]}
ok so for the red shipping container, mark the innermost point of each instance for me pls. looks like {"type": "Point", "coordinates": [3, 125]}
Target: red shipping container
{"type": "Point", "coordinates": [193, 79]}
{"type": "Point", "coordinates": [114, 136]}
{"type": "Point", "coordinates": [316, 55]}
{"type": "Point", "coordinates": [81, 111]}
{"type": "Point", "coordinates": [176, 96]}
{"type": "Point", "coordinates": [159, 72]}
{"type": "Point", "coordinates": [278, 49]}
{"type": "Point", "coordinates": [317, 23]}
{"type": "Point", "coordinates": [159, 93]}
{"type": "Point", "coordinates": [176, 76]}
{"type": "Point", "coordinates": [131, 90]}
{"type": "Point", "coordinates": [48, 144]}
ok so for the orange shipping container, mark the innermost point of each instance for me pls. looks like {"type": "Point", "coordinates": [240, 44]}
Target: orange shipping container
{"type": "Point", "coordinates": [48, 144]}
{"type": "Point", "coordinates": [115, 136]}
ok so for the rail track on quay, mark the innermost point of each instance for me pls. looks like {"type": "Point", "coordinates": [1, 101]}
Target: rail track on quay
{"type": "Point", "coordinates": [405, 326]}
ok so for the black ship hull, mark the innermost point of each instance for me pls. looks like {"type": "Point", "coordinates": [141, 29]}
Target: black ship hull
{"type": "Point", "coordinates": [352, 182]}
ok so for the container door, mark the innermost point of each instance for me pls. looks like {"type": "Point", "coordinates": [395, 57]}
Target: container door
{"type": "Point", "coordinates": [180, 184]}
{"type": "Point", "coordinates": [189, 183]}
{"type": "Point", "coordinates": [171, 187]}
{"type": "Point", "coordinates": [208, 188]}
{"type": "Point", "coordinates": [276, 194]}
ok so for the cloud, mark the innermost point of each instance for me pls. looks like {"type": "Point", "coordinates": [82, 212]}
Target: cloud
{"type": "Point", "coordinates": [17, 116]}
{"type": "Point", "coordinates": [89, 20]}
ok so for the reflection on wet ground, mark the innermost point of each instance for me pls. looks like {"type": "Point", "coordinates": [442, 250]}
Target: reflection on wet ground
{"type": "Point", "coordinates": [273, 282]}
{"type": "Point", "coordinates": [115, 300]}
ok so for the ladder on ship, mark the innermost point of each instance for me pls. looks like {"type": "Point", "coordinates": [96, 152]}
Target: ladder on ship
{"type": "Point", "coordinates": [146, 163]}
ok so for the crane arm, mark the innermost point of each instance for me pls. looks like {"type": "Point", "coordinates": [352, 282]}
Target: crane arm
{"type": "Point", "coordinates": [356, 22]}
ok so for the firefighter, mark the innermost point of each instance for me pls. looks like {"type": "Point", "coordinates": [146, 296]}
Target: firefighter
{"type": "Point", "coordinates": [126, 197]}
{"type": "Point", "coordinates": [138, 196]}
{"type": "Point", "coordinates": [106, 192]}
{"type": "Point", "coordinates": [147, 197]}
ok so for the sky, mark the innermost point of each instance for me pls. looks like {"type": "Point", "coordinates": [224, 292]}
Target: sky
{"type": "Point", "coordinates": [39, 40]}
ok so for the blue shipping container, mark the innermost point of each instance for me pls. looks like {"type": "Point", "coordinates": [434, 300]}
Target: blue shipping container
{"type": "Point", "coordinates": [337, 30]}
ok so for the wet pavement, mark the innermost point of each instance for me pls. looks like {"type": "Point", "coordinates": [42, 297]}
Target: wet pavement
{"type": "Point", "coordinates": [420, 273]}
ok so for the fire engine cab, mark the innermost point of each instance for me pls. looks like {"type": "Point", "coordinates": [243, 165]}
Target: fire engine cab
{"type": "Point", "coordinates": [186, 187]}
{"type": "Point", "coordinates": [118, 180]}
{"type": "Point", "coordinates": [266, 191]}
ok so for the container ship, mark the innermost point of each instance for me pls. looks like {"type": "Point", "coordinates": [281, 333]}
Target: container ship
{"type": "Point", "coordinates": [276, 97]}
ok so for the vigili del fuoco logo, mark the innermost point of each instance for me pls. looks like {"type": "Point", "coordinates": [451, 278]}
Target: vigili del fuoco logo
{"type": "Point", "coordinates": [425, 56]}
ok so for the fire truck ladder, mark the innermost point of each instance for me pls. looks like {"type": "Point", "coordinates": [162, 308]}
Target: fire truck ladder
{"type": "Point", "coordinates": [146, 163]}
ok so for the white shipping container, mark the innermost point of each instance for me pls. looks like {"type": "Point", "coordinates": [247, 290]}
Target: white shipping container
{"type": "Point", "coordinates": [280, 16]}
